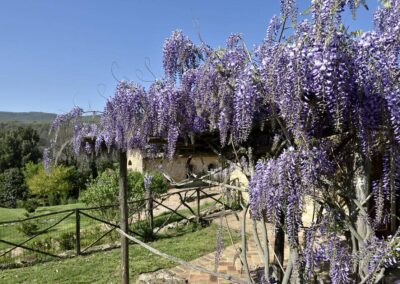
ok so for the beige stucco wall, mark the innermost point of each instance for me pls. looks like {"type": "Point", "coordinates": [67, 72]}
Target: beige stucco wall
{"type": "Point", "coordinates": [135, 161]}
{"type": "Point", "coordinates": [239, 178]}
{"type": "Point", "coordinates": [175, 168]}
{"type": "Point", "coordinates": [308, 210]}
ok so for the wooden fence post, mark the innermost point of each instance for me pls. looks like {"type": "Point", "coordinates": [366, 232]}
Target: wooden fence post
{"type": "Point", "coordinates": [78, 231]}
{"type": "Point", "coordinates": [279, 245]}
{"type": "Point", "coordinates": [198, 205]}
{"type": "Point", "coordinates": [123, 205]}
{"type": "Point", "coordinates": [149, 207]}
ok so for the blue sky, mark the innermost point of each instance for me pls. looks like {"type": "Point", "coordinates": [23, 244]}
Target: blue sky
{"type": "Point", "coordinates": [57, 54]}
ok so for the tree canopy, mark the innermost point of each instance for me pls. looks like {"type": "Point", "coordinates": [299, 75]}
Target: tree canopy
{"type": "Point", "coordinates": [17, 147]}
{"type": "Point", "coordinates": [12, 187]}
{"type": "Point", "coordinates": [59, 182]}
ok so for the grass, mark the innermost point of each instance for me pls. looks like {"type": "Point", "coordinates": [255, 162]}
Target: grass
{"type": "Point", "coordinates": [11, 214]}
{"type": "Point", "coordinates": [10, 232]}
{"type": "Point", "coordinates": [104, 267]}
{"type": "Point", "coordinates": [50, 209]}
{"type": "Point", "coordinates": [7, 214]}
{"type": "Point", "coordinates": [90, 229]}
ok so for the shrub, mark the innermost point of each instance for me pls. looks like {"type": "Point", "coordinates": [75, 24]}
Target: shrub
{"type": "Point", "coordinates": [31, 205]}
{"type": "Point", "coordinates": [28, 228]}
{"type": "Point", "coordinates": [54, 185]}
{"type": "Point", "coordinates": [67, 241]}
{"type": "Point", "coordinates": [12, 187]}
{"type": "Point", "coordinates": [158, 183]}
{"type": "Point", "coordinates": [44, 244]}
{"type": "Point", "coordinates": [104, 191]}
{"type": "Point", "coordinates": [20, 204]}
{"type": "Point", "coordinates": [145, 231]}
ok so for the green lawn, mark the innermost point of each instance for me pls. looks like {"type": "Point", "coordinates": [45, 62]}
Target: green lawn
{"type": "Point", "coordinates": [49, 209]}
{"type": "Point", "coordinates": [7, 214]}
{"type": "Point", "coordinates": [11, 214]}
{"type": "Point", "coordinates": [90, 229]}
{"type": "Point", "coordinates": [104, 267]}
{"type": "Point", "coordinates": [9, 232]}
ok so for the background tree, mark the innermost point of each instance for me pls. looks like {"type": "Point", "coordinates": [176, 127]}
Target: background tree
{"type": "Point", "coordinates": [53, 187]}
{"type": "Point", "coordinates": [17, 147]}
{"type": "Point", "coordinates": [12, 187]}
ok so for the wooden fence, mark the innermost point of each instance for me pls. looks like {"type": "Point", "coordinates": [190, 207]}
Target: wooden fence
{"type": "Point", "coordinates": [190, 205]}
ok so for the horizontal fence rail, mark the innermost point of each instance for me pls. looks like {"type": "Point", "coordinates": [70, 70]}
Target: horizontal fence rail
{"type": "Point", "coordinates": [86, 229]}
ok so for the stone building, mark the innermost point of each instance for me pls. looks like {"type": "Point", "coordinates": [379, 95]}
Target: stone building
{"type": "Point", "coordinates": [178, 168]}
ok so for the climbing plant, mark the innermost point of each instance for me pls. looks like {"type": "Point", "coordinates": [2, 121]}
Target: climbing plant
{"type": "Point", "coordinates": [326, 103]}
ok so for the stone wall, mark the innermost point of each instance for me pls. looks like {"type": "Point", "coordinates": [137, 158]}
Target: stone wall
{"type": "Point", "coordinates": [135, 161]}
{"type": "Point", "coordinates": [176, 168]}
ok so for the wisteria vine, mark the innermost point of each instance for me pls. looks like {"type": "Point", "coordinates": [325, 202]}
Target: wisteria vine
{"type": "Point", "coordinates": [326, 92]}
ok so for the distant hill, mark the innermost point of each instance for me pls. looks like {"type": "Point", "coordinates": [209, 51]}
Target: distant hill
{"type": "Point", "coordinates": [40, 121]}
{"type": "Point", "coordinates": [26, 117]}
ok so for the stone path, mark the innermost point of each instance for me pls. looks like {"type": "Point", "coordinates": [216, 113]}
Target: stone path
{"type": "Point", "coordinates": [173, 201]}
{"type": "Point", "coordinates": [226, 264]}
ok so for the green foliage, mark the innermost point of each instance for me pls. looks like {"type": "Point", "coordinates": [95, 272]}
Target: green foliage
{"type": "Point", "coordinates": [158, 184]}
{"type": "Point", "coordinates": [12, 187]}
{"type": "Point", "coordinates": [41, 183]}
{"type": "Point", "coordinates": [31, 205]}
{"type": "Point", "coordinates": [145, 231]}
{"type": "Point", "coordinates": [54, 186]}
{"type": "Point", "coordinates": [105, 161]}
{"type": "Point", "coordinates": [17, 147]}
{"type": "Point", "coordinates": [104, 189]}
{"type": "Point", "coordinates": [104, 267]}
{"type": "Point", "coordinates": [28, 228]}
{"type": "Point", "coordinates": [31, 169]}
{"type": "Point", "coordinates": [67, 241]}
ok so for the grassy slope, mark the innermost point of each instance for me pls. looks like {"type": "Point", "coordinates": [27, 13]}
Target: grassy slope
{"type": "Point", "coordinates": [10, 232]}
{"type": "Point", "coordinates": [11, 214]}
{"type": "Point", "coordinates": [104, 267]}
{"type": "Point", "coordinates": [49, 209]}
{"type": "Point", "coordinates": [7, 214]}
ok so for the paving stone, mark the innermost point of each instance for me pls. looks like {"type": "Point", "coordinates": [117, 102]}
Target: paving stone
{"type": "Point", "coordinates": [226, 264]}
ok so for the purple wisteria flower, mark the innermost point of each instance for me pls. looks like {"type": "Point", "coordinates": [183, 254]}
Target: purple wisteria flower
{"type": "Point", "coordinates": [147, 181]}
{"type": "Point", "coordinates": [180, 54]}
{"type": "Point", "coordinates": [329, 96]}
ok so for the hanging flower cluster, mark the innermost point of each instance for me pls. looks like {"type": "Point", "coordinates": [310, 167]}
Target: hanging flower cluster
{"type": "Point", "coordinates": [279, 186]}
{"type": "Point", "coordinates": [180, 54]}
